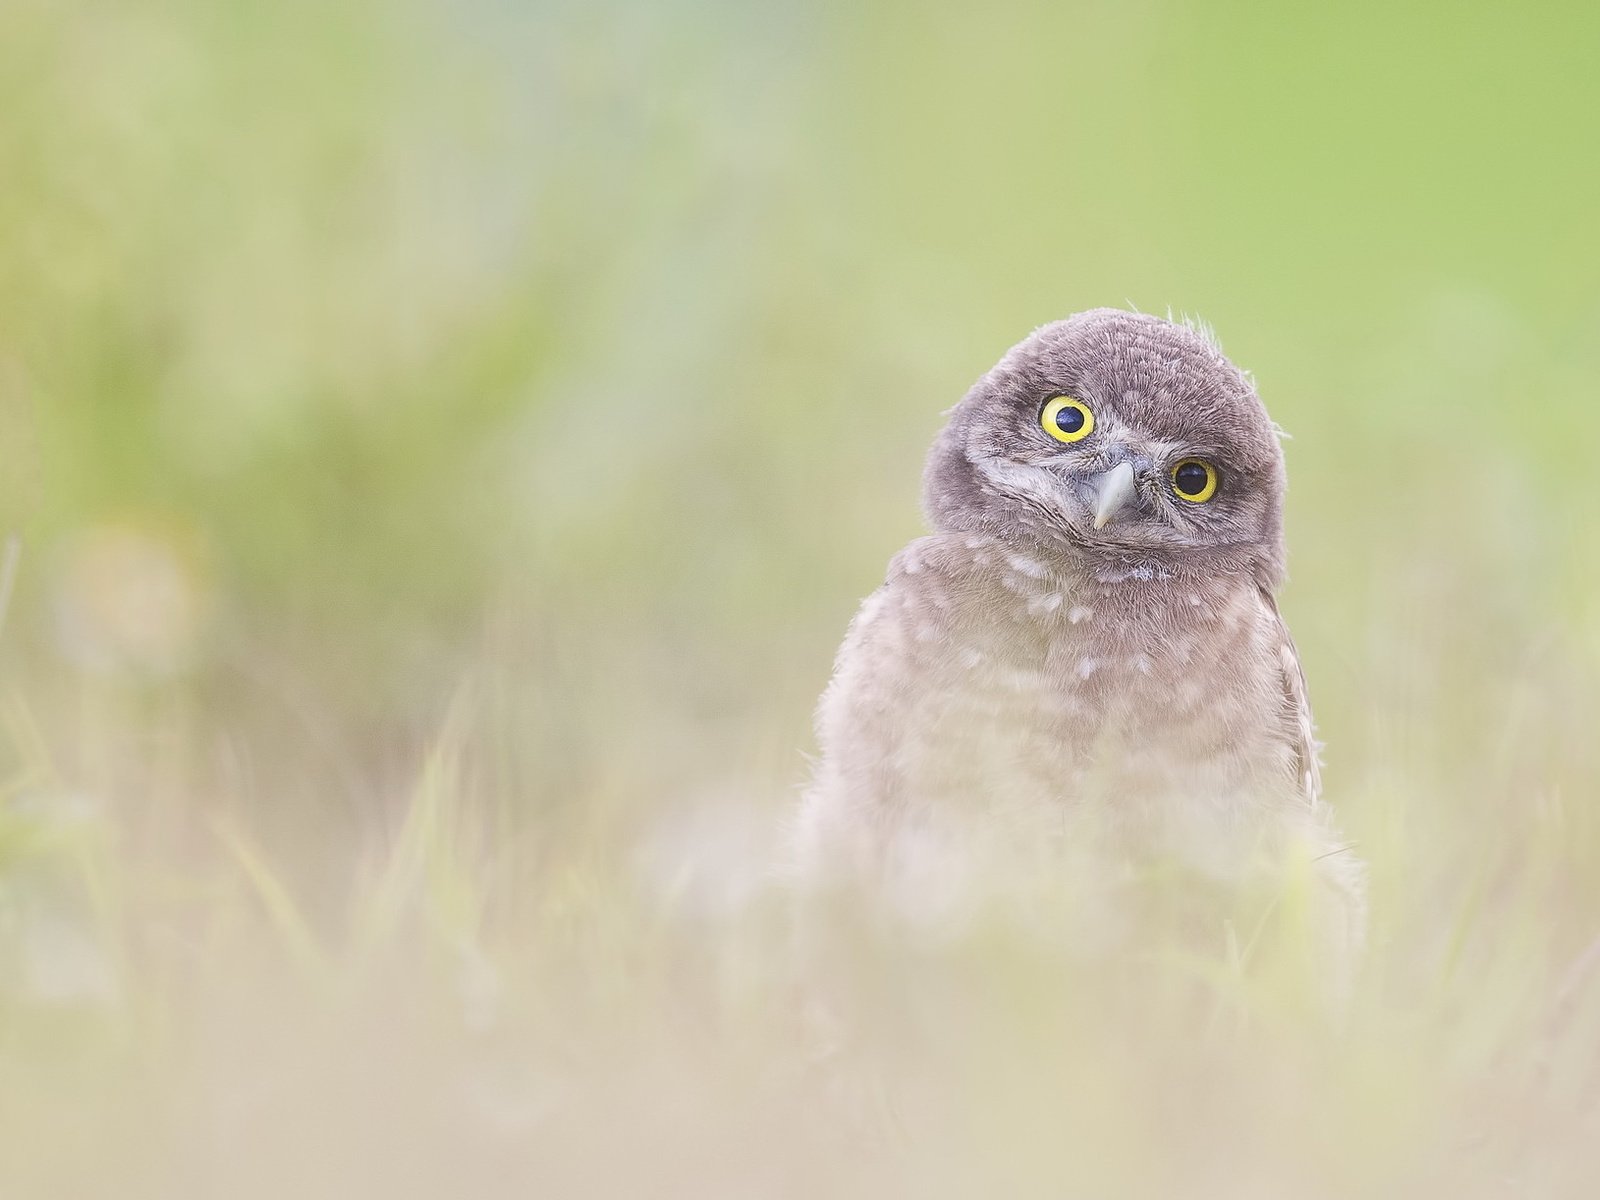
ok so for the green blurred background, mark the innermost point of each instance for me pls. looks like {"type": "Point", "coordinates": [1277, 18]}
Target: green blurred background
{"type": "Point", "coordinates": [592, 350]}
{"type": "Point", "coordinates": [520, 397]}
{"type": "Point", "coordinates": [584, 356]}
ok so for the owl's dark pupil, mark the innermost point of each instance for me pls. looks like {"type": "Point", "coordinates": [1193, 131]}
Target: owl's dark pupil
{"type": "Point", "coordinates": [1191, 479]}
{"type": "Point", "coordinates": [1069, 420]}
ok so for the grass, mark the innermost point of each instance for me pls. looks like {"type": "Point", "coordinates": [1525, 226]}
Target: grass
{"type": "Point", "coordinates": [563, 1012]}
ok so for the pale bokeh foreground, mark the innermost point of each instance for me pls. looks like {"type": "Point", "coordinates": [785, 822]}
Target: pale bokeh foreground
{"type": "Point", "coordinates": [606, 1009]}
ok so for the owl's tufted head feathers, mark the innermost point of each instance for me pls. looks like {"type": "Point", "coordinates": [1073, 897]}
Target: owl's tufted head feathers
{"type": "Point", "coordinates": [1098, 435]}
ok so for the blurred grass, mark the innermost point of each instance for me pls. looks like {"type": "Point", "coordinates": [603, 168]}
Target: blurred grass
{"type": "Point", "coordinates": [449, 440]}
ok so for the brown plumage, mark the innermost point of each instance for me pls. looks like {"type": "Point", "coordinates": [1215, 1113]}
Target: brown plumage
{"type": "Point", "coordinates": [1082, 674]}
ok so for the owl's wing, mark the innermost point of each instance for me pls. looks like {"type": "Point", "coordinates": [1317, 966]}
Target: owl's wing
{"type": "Point", "coordinates": [1297, 705]}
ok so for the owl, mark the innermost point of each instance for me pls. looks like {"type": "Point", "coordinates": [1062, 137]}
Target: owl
{"type": "Point", "coordinates": [1080, 679]}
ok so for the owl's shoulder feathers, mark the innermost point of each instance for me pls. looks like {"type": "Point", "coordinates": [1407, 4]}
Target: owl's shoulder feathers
{"type": "Point", "coordinates": [942, 555]}
{"type": "Point", "coordinates": [1297, 704]}
{"type": "Point", "coordinates": [973, 559]}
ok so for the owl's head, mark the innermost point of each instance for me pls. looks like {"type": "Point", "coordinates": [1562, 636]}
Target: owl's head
{"type": "Point", "coordinates": [1121, 437]}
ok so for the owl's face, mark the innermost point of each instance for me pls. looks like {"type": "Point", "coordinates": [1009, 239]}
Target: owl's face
{"type": "Point", "coordinates": [1121, 437]}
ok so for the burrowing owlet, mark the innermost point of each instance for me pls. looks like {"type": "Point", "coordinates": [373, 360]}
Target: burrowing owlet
{"type": "Point", "coordinates": [1082, 674]}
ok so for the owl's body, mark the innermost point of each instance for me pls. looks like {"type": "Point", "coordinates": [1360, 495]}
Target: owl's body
{"type": "Point", "coordinates": [1034, 728]}
{"type": "Point", "coordinates": [1036, 703]}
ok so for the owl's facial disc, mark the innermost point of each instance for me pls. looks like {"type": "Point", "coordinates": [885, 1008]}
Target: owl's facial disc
{"type": "Point", "coordinates": [1120, 438]}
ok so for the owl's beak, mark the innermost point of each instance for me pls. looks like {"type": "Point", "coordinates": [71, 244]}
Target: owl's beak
{"type": "Point", "coordinates": [1114, 491]}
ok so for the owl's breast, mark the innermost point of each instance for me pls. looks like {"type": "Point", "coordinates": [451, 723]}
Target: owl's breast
{"type": "Point", "coordinates": [1052, 706]}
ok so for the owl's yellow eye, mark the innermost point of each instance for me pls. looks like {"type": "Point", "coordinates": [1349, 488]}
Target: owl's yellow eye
{"type": "Point", "coordinates": [1195, 480]}
{"type": "Point", "coordinates": [1066, 419]}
